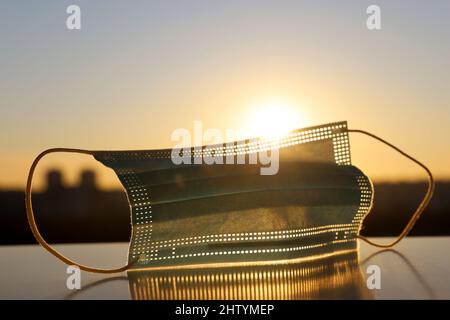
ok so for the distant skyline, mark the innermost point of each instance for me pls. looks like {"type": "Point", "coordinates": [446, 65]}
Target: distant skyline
{"type": "Point", "coordinates": [138, 70]}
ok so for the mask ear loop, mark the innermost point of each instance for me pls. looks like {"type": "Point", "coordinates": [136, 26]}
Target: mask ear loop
{"type": "Point", "coordinates": [34, 228]}
{"type": "Point", "coordinates": [423, 204]}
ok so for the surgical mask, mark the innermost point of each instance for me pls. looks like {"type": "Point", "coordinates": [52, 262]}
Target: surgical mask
{"type": "Point", "coordinates": [203, 215]}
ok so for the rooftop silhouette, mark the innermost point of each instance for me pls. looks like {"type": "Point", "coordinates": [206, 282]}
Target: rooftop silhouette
{"type": "Point", "coordinates": [86, 213]}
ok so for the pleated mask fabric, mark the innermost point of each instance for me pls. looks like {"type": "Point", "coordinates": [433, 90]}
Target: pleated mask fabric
{"type": "Point", "coordinates": [225, 214]}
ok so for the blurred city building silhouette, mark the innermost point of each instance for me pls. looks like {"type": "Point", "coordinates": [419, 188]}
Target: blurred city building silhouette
{"type": "Point", "coordinates": [85, 213]}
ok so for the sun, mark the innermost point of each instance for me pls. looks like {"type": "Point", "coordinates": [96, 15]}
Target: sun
{"type": "Point", "coordinates": [273, 118]}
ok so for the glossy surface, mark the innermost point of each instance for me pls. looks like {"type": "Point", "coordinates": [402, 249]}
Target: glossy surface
{"type": "Point", "coordinates": [418, 268]}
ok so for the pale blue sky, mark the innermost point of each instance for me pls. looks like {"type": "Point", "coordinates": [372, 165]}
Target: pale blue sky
{"type": "Point", "coordinates": [140, 69]}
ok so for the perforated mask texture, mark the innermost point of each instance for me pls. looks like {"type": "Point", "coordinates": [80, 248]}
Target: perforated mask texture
{"type": "Point", "coordinates": [197, 214]}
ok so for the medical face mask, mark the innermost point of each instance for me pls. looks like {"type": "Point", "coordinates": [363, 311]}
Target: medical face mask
{"type": "Point", "coordinates": [203, 214]}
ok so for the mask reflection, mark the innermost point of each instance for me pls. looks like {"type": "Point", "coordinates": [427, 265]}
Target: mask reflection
{"type": "Point", "coordinates": [335, 277]}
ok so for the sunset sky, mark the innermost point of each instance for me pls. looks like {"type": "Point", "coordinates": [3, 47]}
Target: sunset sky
{"type": "Point", "coordinates": [138, 70]}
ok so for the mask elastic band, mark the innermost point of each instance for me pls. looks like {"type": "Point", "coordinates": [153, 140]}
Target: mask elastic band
{"type": "Point", "coordinates": [32, 222]}
{"type": "Point", "coordinates": [426, 199]}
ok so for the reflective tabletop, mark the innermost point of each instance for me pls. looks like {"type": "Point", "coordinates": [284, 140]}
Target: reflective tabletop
{"type": "Point", "coordinates": [417, 268]}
